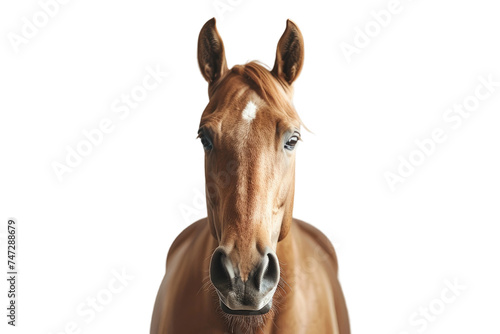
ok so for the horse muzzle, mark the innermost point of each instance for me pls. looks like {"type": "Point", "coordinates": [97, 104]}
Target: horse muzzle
{"type": "Point", "coordinates": [254, 296]}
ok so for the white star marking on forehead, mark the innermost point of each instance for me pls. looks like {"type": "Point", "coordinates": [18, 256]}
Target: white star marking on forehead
{"type": "Point", "coordinates": [250, 111]}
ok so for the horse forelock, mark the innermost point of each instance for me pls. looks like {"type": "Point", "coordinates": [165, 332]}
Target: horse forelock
{"type": "Point", "coordinates": [254, 76]}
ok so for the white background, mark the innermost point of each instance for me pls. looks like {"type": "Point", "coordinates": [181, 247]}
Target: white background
{"type": "Point", "coordinates": [127, 201]}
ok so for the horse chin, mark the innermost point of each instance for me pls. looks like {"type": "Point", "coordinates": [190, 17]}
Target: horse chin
{"type": "Point", "coordinates": [262, 311]}
{"type": "Point", "coordinates": [243, 321]}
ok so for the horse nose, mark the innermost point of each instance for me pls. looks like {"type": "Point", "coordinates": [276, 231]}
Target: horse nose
{"type": "Point", "coordinates": [221, 270]}
{"type": "Point", "coordinates": [267, 275]}
{"type": "Point", "coordinates": [252, 294]}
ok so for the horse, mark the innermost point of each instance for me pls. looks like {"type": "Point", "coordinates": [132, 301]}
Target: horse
{"type": "Point", "coordinates": [249, 266]}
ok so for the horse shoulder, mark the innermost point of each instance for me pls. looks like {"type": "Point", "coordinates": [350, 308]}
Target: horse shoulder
{"type": "Point", "coordinates": [187, 236]}
{"type": "Point", "coordinates": [181, 293]}
{"type": "Point", "coordinates": [319, 240]}
{"type": "Point", "coordinates": [315, 242]}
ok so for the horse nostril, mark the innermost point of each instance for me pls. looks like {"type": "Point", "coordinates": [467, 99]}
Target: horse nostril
{"type": "Point", "coordinates": [267, 276]}
{"type": "Point", "coordinates": [219, 271]}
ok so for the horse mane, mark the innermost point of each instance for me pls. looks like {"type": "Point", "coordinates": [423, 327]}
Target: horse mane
{"type": "Point", "coordinates": [261, 80]}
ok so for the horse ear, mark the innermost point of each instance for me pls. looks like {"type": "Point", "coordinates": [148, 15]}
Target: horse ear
{"type": "Point", "coordinates": [211, 57]}
{"type": "Point", "coordinates": [289, 54]}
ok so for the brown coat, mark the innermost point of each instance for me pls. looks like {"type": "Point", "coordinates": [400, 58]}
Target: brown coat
{"type": "Point", "coordinates": [312, 303]}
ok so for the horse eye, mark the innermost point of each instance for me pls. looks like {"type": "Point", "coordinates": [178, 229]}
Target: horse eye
{"type": "Point", "coordinates": [207, 145]}
{"type": "Point", "coordinates": [290, 144]}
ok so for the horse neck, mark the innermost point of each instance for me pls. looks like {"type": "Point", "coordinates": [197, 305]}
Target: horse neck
{"type": "Point", "coordinates": [287, 255]}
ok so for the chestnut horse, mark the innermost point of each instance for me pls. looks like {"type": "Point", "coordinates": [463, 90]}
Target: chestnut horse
{"type": "Point", "coordinates": [249, 267]}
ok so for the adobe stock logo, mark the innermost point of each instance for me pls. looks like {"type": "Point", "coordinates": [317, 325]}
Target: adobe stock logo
{"type": "Point", "coordinates": [122, 106]}
{"type": "Point", "coordinates": [436, 308]}
{"type": "Point", "coordinates": [453, 118]}
{"type": "Point", "coordinates": [363, 36]}
{"type": "Point", "coordinates": [31, 26]}
{"type": "Point", "coordinates": [224, 6]}
{"type": "Point", "coordinates": [88, 310]}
